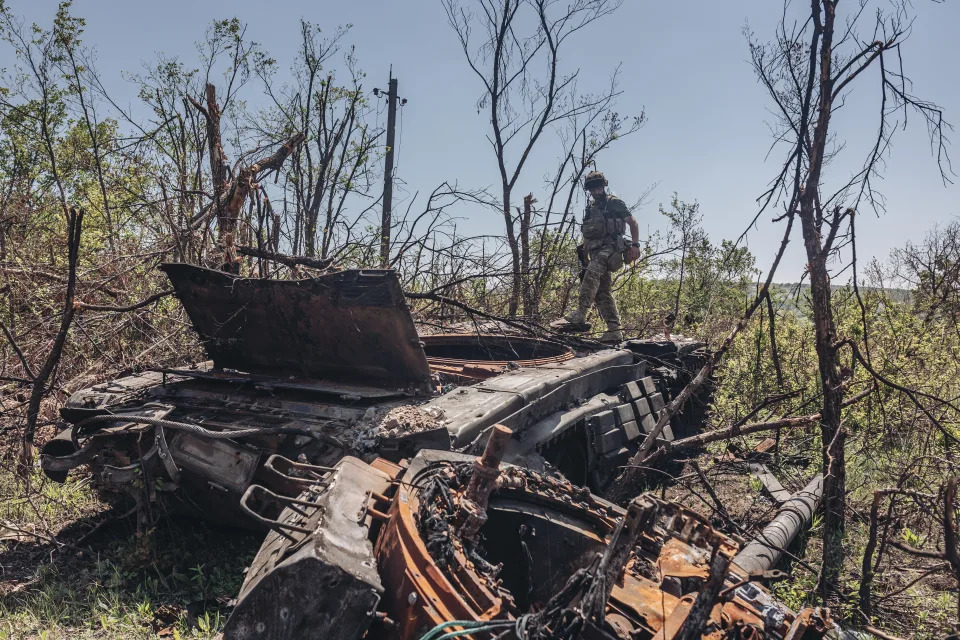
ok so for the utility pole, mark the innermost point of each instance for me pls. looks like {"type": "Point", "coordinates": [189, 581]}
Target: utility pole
{"type": "Point", "coordinates": [392, 100]}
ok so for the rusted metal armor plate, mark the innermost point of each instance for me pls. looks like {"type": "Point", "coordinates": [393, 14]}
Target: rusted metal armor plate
{"type": "Point", "coordinates": [319, 585]}
{"type": "Point", "coordinates": [474, 356]}
{"type": "Point", "coordinates": [353, 325]}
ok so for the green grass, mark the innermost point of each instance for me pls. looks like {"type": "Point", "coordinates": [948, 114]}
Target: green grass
{"type": "Point", "coordinates": [177, 582]}
{"type": "Point", "coordinates": [49, 503]}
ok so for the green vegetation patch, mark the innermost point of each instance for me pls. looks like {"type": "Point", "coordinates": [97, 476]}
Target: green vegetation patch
{"type": "Point", "coordinates": [176, 581]}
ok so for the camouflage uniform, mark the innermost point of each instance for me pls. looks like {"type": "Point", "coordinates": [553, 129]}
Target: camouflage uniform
{"type": "Point", "coordinates": [604, 224]}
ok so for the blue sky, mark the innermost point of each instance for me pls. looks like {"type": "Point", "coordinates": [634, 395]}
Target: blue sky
{"type": "Point", "coordinates": [685, 62]}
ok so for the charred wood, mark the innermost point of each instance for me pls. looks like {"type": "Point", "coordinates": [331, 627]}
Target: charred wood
{"type": "Point", "coordinates": [287, 260]}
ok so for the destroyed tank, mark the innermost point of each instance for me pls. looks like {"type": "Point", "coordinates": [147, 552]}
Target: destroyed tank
{"type": "Point", "coordinates": [447, 546]}
{"type": "Point", "coordinates": [317, 369]}
{"type": "Point", "coordinates": [323, 418]}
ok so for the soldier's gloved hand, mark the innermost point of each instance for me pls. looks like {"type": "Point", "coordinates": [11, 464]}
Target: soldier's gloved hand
{"type": "Point", "coordinates": [633, 254]}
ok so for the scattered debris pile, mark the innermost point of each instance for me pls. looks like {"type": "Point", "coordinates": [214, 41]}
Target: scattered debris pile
{"type": "Point", "coordinates": [384, 425]}
{"type": "Point", "coordinates": [545, 559]}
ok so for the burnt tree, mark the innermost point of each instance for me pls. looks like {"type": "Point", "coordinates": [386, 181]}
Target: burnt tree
{"type": "Point", "coordinates": [229, 192]}
{"type": "Point", "coordinates": [809, 70]}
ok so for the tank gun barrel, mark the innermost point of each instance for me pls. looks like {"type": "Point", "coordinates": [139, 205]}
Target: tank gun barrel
{"type": "Point", "coordinates": [764, 551]}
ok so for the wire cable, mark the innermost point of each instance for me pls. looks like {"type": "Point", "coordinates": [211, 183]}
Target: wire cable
{"type": "Point", "coordinates": [469, 627]}
{"type": "Point", "coordinates": [195, 429]}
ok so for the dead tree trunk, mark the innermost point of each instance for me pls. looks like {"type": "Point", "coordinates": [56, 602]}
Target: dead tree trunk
{"type": "Point", "coordinates": [832, 435]}
{"type": "Point", "coordinates": [218, 159]}
{"type": "Point", "coordinates": [817, 248]}
{"type": "Point", "coordinates": [230, 194]}
{"type": "Point", "coordinates": [514, 244]}
{"type": "Point", "coordinates": [74, 225]}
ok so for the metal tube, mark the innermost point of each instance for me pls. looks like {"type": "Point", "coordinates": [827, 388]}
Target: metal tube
{"type": "Point", "coordinates": [486, 468]}
{"type": "Point", "coordinates": [764, 551]}
{"type": "Point", "coordinates": [472, 512]}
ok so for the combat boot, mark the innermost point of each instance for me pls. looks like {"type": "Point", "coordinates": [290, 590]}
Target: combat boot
{"type": "Point", "coordinates": [573, 322]}
{"type": "Point", "coordinates": [612, 336]}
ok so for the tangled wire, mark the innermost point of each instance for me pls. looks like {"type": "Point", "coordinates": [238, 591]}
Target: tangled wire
{"type": "Point", "coordinates": [437, 511]}
{"type": "Point", "coordinates": [560, 618]}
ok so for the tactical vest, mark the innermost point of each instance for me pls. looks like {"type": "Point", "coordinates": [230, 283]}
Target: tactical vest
{"type": "Point", "coordinates": [598, 227]}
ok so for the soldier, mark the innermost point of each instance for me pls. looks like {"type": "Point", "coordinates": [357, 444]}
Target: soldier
{"type": "Point", "coordinates": [604, 223]}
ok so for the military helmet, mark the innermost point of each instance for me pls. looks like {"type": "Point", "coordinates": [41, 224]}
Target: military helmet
{"type": "Point", "coordinates": [594, 179]}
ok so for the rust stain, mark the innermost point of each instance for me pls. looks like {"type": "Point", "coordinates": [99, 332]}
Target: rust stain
{"type": "Point", "coordinates": [680, 560]}
{"type": "Point", "coordinates": [472, 357]}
